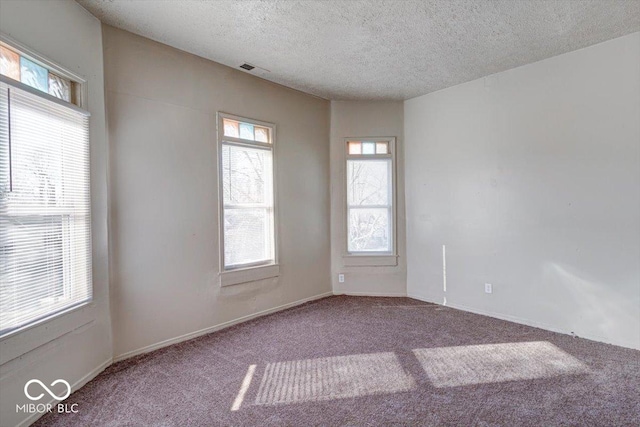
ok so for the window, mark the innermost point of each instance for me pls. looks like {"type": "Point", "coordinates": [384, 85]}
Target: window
{"type": "Point", "coordinates": [20, 68]}
{"type": "Point", "coordinates": [45, 217]}
{"type": "Point", "coordinates": [247, 190]}
{"type": "Point", "coordinates": [370, 196]}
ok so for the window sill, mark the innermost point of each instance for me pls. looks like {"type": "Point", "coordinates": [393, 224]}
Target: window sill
{"type": "Point", "coordinates": [22, 341]}
{"type": "Point", "coordinates": [251, 274]}
{"type": "Point", "coordinates": [370, 260]}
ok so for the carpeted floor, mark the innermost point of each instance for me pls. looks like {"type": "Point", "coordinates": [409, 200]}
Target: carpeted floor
{"type": "Point", "coordinates": [363, 361]}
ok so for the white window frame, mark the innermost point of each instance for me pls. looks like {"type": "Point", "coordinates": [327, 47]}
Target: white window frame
{"type": "Point", "coordinates": [37, 333]}
{"type": "Point", "coordinates": [259, 270]}
{"type": "Point", "coordinates": [370, 258]}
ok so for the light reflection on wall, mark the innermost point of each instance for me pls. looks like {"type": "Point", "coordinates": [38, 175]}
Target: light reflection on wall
{"type": "Point", "coordinates": [332, 378]}
{"type": "Point", "coordinates": [492, 363]}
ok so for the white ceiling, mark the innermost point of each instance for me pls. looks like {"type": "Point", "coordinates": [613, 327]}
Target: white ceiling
{"type": "Point", "coordinates": [373, 49]}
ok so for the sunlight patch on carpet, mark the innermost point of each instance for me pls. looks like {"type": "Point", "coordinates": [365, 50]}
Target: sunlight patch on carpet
{"type": "Point", "coordinates": [243, 388]}
{"type": "Point", "coordinates": [494, 363]}
{"type": "Point", "coordinates": [330, 378]}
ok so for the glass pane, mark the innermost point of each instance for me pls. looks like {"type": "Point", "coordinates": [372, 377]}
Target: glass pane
{"type": "Point", "coordinates": [230, 128]}
{"type": "Point", "coordinates": [355, 147]}
{"type": "Point", "coordinates": [247, 235]}
{"type": "Point", "coordinates": [35, 241]}
{"type": "Point", "coordinates": [37, 168]}
{"type": "Point", "coordinates": [246, 175]}
{"type": "Point", "coordinates": [34, 75]}
{"type": "Point", "coordinates": [45, 220]}
{"type": "Point", "coordinates": [382, 148]}
{"type": "Point", "coordinates": [9, 63]}
{"type": "Point", "coordinates": [369, 230]}
{"type": "Point", "coordinates": [246, 131]}
{"type": "Point", "coordinates": [368, 182]}
{"type": "Point", "coordinates": [368, 148]}
{"type": "Point", "coordinates": [59, 87]}
{"type": "Point", "coordinates": [262, 134]}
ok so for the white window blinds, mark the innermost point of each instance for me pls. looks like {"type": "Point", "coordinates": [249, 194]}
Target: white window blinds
{"type": "Point", "coordinates": [45, 217]}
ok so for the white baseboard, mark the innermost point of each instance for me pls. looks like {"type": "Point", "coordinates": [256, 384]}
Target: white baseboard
{"type": "Point", "coordinates": [218, 327]}
{"type": "Point", "coordinates": [522, 321]}
{"type": "Point", "coordinates": [500, 316]}
{"type": "Point", "coordinates": [370, 294]}
{"type": "Point", "coordinates": [422, 298]}
{"type": "Point", "coordinates": [75, 386]}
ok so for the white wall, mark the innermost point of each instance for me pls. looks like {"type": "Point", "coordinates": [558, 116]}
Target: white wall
{"type": "Point", "coordinates": [162, 106]}
{"type": "Point", "coordinates": [531, 178]}
{"type": "Point", "coordinates": [76, 346]}
{"type": "Point", "coordinates": [365, 119]}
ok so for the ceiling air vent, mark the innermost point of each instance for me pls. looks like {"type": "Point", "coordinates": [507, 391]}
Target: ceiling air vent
{"type": "Point", "coordinates": [247, 67]}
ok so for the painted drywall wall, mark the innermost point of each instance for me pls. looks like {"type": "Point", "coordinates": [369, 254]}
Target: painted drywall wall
{"type": "Point", "coordinates": [531, 179]}
{"type": "Point", "coordinates": [75, 346]}
{"type": "Point", "coordinates": [365, 119]}
{"type": "Point", "coordinates": [161, 108]}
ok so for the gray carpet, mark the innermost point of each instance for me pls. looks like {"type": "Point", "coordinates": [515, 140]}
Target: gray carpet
{"type": "Point", "coordinates": [363, 361]}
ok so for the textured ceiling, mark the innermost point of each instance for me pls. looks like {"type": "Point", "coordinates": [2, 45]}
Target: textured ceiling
{"type": "Point", "coordinates": [373, 49]}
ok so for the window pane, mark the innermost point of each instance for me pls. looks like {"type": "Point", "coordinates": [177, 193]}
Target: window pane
{"type": "Point", "coordinates": [59, 87]}
{"type": "Point", "coordinates": [355, 147]}
{"type": "Point", "coordinates": [247, 235]}
{"type": "Point", "coordinates": [368, 182]}
{"type": "Point", "coordinates": [231, 128]}
{"type": "Point", "coordinates": [246, 131]}
{"type": "Point", "coordinates": [262, 134]}
{"type": "Point", "coordinates": [34, 75]}
{"type": "Point", "coordinates": [382, 148]}
{"type": "Point", "coordinates": [35, 241]}
{"type": "Point", "coordinates": [45, 223]}
{"type": "Point", "coordinates": [247, 182]}
{"type": "Point", "coordinates": [368, 148]}
{"type": "Point", "coordinates": [369, 230]}
{"type": "Point", "coordinates": [246, 175]}
{"type": "Point", "coordinates": [9, 63]}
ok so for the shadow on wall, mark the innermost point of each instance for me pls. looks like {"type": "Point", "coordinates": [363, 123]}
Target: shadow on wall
{"type": "Point", "coordinates": [339, 377]}
{"type": "Point", "coordinates": [592, 303]}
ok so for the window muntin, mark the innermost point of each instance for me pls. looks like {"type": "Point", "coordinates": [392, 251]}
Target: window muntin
{"type": "Point", "coordinates": [18, 67]}
{"type": "Point", "coordinates": [45, 217]}
{"type": "Point", "coordinates": [247, 189]}
{"type": "Point", "coordinates": [370, 196]}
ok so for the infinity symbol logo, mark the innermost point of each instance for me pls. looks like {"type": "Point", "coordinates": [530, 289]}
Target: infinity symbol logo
{"type": "Point", "coordinates": [38, 397]}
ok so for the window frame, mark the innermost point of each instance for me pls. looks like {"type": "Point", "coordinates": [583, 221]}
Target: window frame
{"type": "Point", "coordinates": [29, 336]}
{"type": "Point", "coordinates": [254, 271]}
{"type": "Point", "coordinates": [371, 258]}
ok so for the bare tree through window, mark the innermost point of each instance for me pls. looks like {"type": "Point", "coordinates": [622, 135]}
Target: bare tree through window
{"type": "Point", "coordinates": [369, 198]}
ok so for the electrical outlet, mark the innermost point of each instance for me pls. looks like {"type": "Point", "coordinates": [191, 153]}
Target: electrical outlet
{"type": "Point", "coordinates": [488, 288]}
{"type": "Point", "coordinates": [341, 278]}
